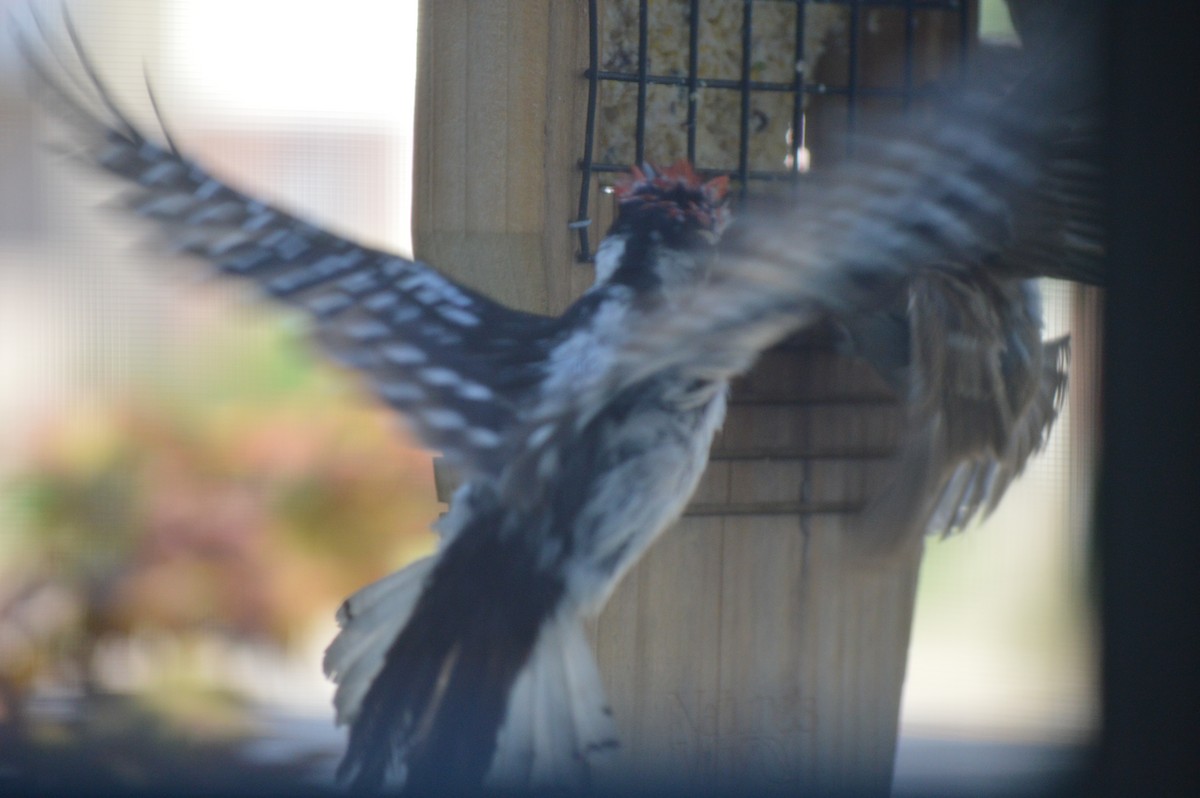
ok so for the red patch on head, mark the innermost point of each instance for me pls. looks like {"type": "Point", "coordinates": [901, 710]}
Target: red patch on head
{"type": "Point", "coordinates": [716, 188]}
{"type": "Point", "coordinates": [629, 182]}
{"type": "Point", "coordinates": [643, 184]}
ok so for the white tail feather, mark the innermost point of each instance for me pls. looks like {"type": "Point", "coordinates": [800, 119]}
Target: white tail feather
{"type": "Point", "coordinates": [559, 731]}
{"type": "Point", "coordinates": [370, 621]}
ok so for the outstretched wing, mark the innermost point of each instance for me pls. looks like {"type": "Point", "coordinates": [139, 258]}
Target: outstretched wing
{"type": "Point", "coordinates": [982, 391]}
{"type": "Point", "coordinates": [976, 485]}
{"type": "Point", "coordinates": [942, 192]}
{"type": "Point", "coordinates": [454, 362]}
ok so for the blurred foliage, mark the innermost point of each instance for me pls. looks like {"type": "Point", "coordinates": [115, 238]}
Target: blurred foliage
{"type": "Point", "coordinates": [243, 491]}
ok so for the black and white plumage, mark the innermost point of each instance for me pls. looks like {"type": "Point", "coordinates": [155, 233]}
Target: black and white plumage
{"type": "Point", "coordinates": [470, 665]}
{"type": "Point", "coordinates": [981, 389]}
{"type": "Point", "coordinates": [581, 437]}
{"type": "Point", "coordinates": [962, 345]}
{"type": "Point", "coordinates": [482, 672]}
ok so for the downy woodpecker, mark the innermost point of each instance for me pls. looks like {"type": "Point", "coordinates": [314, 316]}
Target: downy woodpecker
{"type": "Point", "coordinates": [580, 437]}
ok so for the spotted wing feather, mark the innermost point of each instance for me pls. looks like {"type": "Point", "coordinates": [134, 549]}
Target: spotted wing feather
{"type": "Point", "coordinates": [428, 346]}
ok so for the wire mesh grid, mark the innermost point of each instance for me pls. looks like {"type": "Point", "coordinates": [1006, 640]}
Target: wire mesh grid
{"type": "Point", "coordinates": [691, 80]}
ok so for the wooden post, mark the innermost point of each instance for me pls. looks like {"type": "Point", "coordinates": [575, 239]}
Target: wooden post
{"type": "Point", "coordinates": [748, 644]}
{"type": "Point", "coordinates": [751, 646]}
{"type": "Point", "coordinates": [499, 127]}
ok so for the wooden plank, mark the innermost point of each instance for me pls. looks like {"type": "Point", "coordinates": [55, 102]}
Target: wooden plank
{"type": "Point", "coordinates": [793, 430]}
{"type": "Point", "coordinates": [527, 136]}
{"type": "Point", "coordinates": [566, 117]}
{"type": "Point", "coordinates": [811, 375]}
{"type": "Point", "coordinates": [440, 134]}
{"type": "Point", "coordinates": [659, 667]}
{"type": "Point", "coordinates": [762, 722]}
{"type": "Point", "coordinates": [799, 481]}
{"type": "Point", "coordinates": [482, 132]}
{"type": "Point", "coordinates": [857, 621]}
{"type": "Point", "coordinates": [490, 65]}
{"type": "Point", "coordinates": [759, 653]}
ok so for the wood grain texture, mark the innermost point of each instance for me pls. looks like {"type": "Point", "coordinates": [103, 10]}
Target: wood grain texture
{"type": "Point", "coordinates": [794, 681]}
{"type": "Point", "coordinates": [499, 128]}
{"type": "Point", "coordinates": [662, 668]}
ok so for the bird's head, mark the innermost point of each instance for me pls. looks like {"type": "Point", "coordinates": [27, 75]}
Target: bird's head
{"type": "Point", "coordinates": [668, 222]}
{"type": "Point", "coordinates": [674, 202]}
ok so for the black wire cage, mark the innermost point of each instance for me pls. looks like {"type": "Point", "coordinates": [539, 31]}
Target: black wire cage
{"type": "Point", "coordinates": [778, 55]}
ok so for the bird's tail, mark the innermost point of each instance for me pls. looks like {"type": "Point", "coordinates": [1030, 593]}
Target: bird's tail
{"type": "Point", "coordinates": [462, 670]}
{"type": "Point", "coordinates": [559, 730]}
